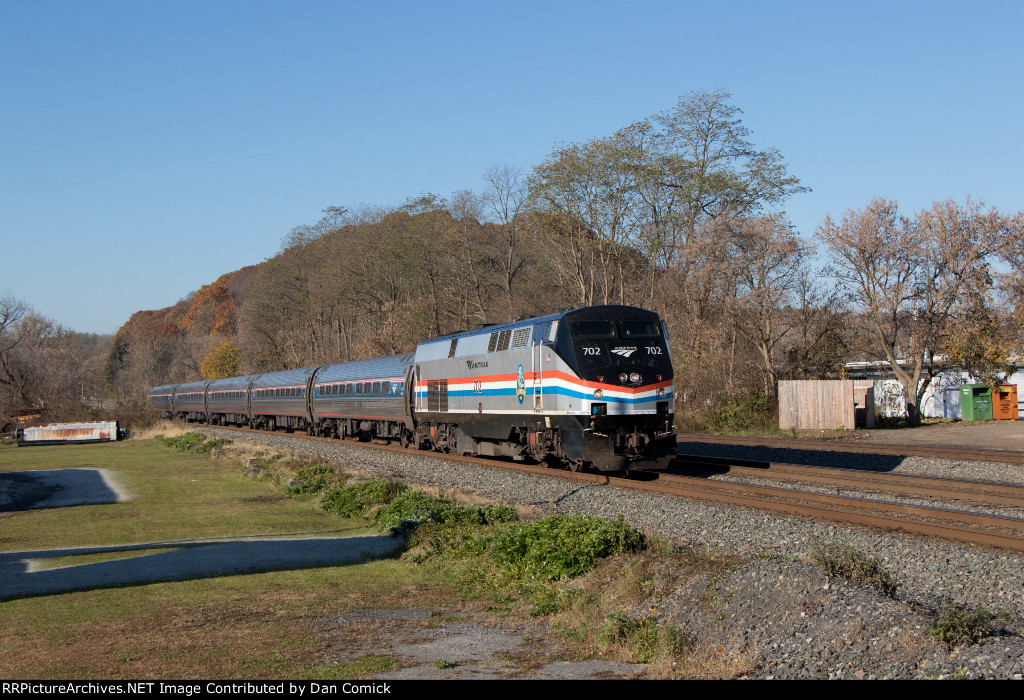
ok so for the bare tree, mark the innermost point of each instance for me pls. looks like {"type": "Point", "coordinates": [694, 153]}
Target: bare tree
{"type": "Point", "coordinates": [819, 337]}
{"type": "Point", "coordinates": [767, 260]}
{"type": "Point", "coordinates": [1012, 251]}
{"type": "Point", "coordinates": [507, 199]}
{"type": "Point", "coordinates": [914, 280]}
{"type": "Point", "coordinates": [707, 159]}
{"type": "Point", "coordinates": [43, 363]}
{"type": "Point", "coordinates": [12, 311]}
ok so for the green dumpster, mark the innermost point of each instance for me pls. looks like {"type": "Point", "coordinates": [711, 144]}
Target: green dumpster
{"type": "Point", "coordinates": [976, 401]}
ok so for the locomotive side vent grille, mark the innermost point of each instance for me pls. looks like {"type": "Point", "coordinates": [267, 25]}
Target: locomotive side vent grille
{"type": "Point", "coordinates": [437, 395]}
{"type": "Point", "coordinates": [503, 339]}
{"type": "Point", "coordinates": [521, 337]}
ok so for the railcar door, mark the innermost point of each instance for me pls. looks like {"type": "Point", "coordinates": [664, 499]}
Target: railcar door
{"type": "Point", "coordinates": [544, 391]}
{"type": "Point", "coordinates": [310, 380]}
{"type": "Point", "coordinates": [417, 397]}
{"type": "Point", "coordinates": [248, 397]}
{"type": "Point", "coordinates": [409, 395]}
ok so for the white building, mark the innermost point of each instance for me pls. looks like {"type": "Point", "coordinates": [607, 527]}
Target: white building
{"type": "Point", "coordinates": [941, 399]}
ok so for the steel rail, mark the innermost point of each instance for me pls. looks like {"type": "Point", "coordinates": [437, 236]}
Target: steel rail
{"type": "Point", "coordinates": [854, 503]}
{"type": "Point", "coordinates": [976, 455]}
{"type": "Point", "coordinates": [835, 514]}
{"type": "Point", "coordinates": [985, 493]}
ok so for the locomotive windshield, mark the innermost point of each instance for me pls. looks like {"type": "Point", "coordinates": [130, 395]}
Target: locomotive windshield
{"type": "Point", "coordinates": [603, 330]}
{"type": "Point", "coordinates": [595, 329]}
{"type": "Point", "coordinates": [639, 329]}
{"type": "Point", "coordinates": [617, 345]}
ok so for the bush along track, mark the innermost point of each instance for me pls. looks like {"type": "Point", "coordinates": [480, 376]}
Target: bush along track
{"type": "Point", "coordinates": [534, 567]}
{"type": "Point", "coordinates": [614, 594]}
{"type": "Point", "coordinates": [196, 443]}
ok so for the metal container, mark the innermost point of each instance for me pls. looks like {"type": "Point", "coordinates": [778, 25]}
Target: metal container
{"type": "Point", "coordinates": [976, 402]}
{"type": "Point", "coordinates": [1004, 403]}
{"type": "Point", "coordinates": [59, 433]}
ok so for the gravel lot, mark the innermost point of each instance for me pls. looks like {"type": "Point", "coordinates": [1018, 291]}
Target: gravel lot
{"type": "Point", "coordinates": [779, 613]}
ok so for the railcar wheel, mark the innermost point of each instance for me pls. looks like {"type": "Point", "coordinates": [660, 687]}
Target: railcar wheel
{"type": "Point", "coordinates": [404, 440]}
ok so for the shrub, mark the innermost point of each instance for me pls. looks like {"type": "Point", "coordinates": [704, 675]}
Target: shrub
{"type": "Point", "coordinates": [355, 500]}
{"type": "Point", "coordinates": [314, 478]}
{"type": "Point", "coordinates": [644, 637]}
{"type": "Point", "coordinates": [563, 546]}
{"type": "Point", "coordinates": [748, 412]}
{"type": "Point", "coordinates": [751, 412]}
{"type": "Point", "coordinates": [454, 541]}
{"type": "Point", "coordinates": [307, 487]}
{"type": "Point", "coordinates": [196, 443]}
{"type": "Point", "coordinates": [416, 505]}
{"type": "Point", "coordinates": [398, 503]}
{"type": "Point", "coordinates": [840, 559]}
{"type": "Point", "coordinates": [957, 626]}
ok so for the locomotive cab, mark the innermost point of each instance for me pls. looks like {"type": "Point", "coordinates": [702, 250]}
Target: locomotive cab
{"type": "Point", "coordinates": [621, 353]}
{"type": "Point", "coordinates": [628, 352]}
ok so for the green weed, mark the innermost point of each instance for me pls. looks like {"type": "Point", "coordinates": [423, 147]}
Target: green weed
{"type": "Point", "coordinates": [421, 508]}
{"type": "Point", "coordinates": [392, 502]}
{"type": "Point", "coordinates": [644, 637]}
{"type": "Point", "coordinates": [363, 667]}
{"type": "Point", "coordinates": [196, 443]}
{"type": "Point", "coordinates": [838, 558]}
{"type": "Point", "coordinates": [563, 546]}
{"type": "Point", "coordinates": [353, 501]}
{"type": "Point", "coordinates": [956, 626]}
{"type": "Point", "coordinates": [311, 479]}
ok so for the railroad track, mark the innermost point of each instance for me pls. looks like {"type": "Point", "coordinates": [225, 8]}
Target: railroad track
{"type": "Point", "coordinates": [953, 524]}
{"type": "Point", "coordinates": [983, 529]}
{"type": "Point", "coordinates": [979, 493]}
{"type": "Point", "coordinates": [974, 455]}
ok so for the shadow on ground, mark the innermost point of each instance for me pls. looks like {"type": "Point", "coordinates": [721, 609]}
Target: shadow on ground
{"type": "Point", "coordinates": [26, 574]}
{"type": "Point", "coordinates": [21, 577]}
{"type": "Point", "coordinates": [57, 488]}
{"type": "Point", "coordinates": [819, 458]}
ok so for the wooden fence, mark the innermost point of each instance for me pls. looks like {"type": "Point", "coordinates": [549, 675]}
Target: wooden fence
{"type": "Point", "coordinates": [816, 404]}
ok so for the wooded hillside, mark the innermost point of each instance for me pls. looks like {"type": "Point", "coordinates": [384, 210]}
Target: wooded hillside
{"type": "Point", "coordinates": [680, 213]}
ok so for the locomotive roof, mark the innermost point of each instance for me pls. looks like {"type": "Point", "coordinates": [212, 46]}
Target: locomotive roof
{"type": "Point", "coordinates": [592, 311]}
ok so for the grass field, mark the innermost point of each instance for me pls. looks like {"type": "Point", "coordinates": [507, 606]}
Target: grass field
{"type": "Point", "coordinates": [187, 520]}
{"type": "Point", "coordinates": [241, 626]}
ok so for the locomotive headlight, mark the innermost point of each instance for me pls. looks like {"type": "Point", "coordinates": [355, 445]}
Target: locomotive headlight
{"type": "Point", "coordinates": [598, 393]}
{"type": "Point", "coordinates": [623, 378]}
{"type": "Point", "coordinates": [661, 393]}
{"type": "Point", "coordinates": [635, 377]}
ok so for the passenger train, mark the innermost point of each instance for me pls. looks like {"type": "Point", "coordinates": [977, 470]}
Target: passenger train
{"type": "Point", "coordinates": [586, 388]}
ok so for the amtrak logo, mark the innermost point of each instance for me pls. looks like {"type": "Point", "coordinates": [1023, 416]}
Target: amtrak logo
{"type": "Point", "coordinates": [520, 384]}
{"type": "Point", "coordinates": [624, 352]}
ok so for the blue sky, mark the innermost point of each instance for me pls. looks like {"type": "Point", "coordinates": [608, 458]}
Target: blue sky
{"type": "Point", "coordinates": [148, 147]}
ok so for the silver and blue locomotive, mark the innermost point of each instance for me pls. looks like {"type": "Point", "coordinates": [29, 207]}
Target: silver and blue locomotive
{"type": "Point", "coordinates": [590, 387]}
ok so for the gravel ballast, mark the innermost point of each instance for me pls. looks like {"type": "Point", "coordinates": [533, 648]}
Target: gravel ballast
{"type": "Point", "coordinates": [778, 611]}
